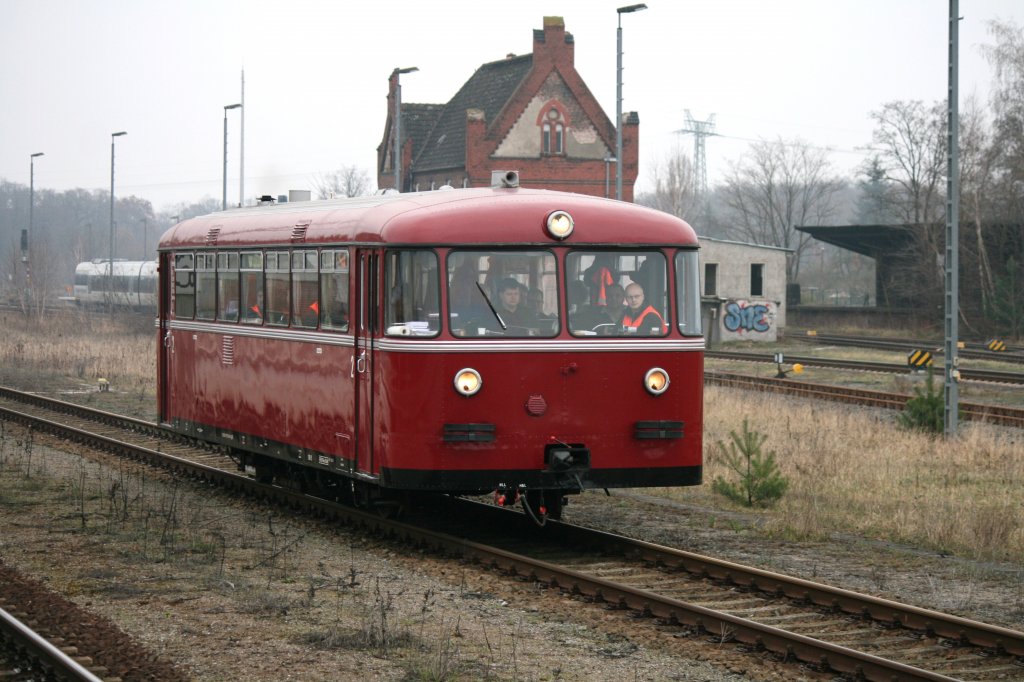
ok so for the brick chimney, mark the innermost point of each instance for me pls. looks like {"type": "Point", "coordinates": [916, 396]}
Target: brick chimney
{"type": "Point", "coordinates": [553, 44]}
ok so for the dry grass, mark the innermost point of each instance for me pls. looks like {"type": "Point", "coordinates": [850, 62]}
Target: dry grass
{"type": "Point", "coordinates": [855, 471]}
{"type": "Point", "coordinates": [851, 470]}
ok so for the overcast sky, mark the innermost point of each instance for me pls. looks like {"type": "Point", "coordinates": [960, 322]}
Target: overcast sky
{"type": "Point", "coordinates": [74, 71]}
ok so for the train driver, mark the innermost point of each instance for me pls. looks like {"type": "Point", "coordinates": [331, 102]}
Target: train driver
{"type": "Point", "coordinates": [640, 318]}
{"type": "Point", "coordinates": [518, 319]}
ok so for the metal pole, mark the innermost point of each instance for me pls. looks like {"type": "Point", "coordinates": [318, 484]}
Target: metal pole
{"type": "Point", "coordinates": [110, 265]}
{"type": "Point", "coordinates": [398, 133]}
{"type": "Point", "coordinates": [224, 190]}
{"type": "Point", "coordinates": [952, 360]}
{"type": "Point", "coordinates": [145, 235]}
{"type": "Point", "coordinates": [618, 111]}
{"type": "Point", "coordinates": [224, 175]}
{"type": "Point", "coordinates": [31, 210]}
{"type": "Point", "coordinates": [607, 161]}
{"type": "Point", "coordinates": [241, 151]}
{"type": "Point", "coordinates": [397, 161]}
{"type": "Point", "coordinates": [618, 97]}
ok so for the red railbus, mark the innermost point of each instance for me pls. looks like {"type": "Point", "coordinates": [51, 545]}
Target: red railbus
{"type": "Point", "coordinates": [529, 343]}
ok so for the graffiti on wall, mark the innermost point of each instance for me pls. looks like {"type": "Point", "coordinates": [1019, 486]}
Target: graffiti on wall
{"type": "Point", "coordinates": [749, 317]}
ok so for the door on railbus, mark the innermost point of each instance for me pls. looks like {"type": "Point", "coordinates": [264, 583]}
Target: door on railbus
{"type": "Point", "coordinates": [366, 322]}
{"type": "Point", "coordinates": [164, 342]}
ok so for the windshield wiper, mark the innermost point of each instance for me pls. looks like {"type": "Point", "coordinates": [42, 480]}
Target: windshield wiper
{"type": "Point", "coordinates": [491, 306]}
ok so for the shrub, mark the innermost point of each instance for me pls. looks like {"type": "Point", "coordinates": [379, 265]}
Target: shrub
{"type": "Point", "coordinates": [761, 483]}
{"type": "Point", "coordinates": [926, 410]}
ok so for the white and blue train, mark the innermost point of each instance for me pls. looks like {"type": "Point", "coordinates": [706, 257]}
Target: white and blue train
{"type": "Point", "coordinates": [128, 284]}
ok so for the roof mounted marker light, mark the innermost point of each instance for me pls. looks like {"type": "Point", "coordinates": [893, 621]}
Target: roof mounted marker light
{"type": "Point", "coordinates": [560, 224]}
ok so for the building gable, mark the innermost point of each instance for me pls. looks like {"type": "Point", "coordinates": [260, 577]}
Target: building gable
{"type": "Point", "coordinates": [553, 104]}
{"type": "Point", "coordinates": [531, 113]}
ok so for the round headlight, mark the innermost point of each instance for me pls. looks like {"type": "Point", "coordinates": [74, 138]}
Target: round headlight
{"type": "Point", "coordinates": [560, 224]}
{"type": "Point", "coordinates": [468, 381]}
{"type": "Point", "coordinates": [656, 381]}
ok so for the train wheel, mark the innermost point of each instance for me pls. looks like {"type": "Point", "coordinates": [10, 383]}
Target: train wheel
{"type": "Point", "coordinates": [264, 472]}
{"type": "Point", "coordinates": [373, 499]}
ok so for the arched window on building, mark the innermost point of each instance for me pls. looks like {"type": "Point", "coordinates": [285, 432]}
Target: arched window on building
{"type": "Point", "coordinates": [553, 120]}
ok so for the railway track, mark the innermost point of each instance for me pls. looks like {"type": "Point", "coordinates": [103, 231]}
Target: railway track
{"type": "Point", "coordinates": [994, 376]}
{"type": "Point", "coordinates": [27, 655]}
{"type": "Point", "coordinates": [1010, 355]}
{"type": "Point", "coordinates": [817, 626]}
{"type": "Point", "coordinates": [43, 636]}
{"type": "Point", "coordinates": [994, 414]}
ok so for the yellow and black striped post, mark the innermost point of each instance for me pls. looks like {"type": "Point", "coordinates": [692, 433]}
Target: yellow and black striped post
{"type": "Point", "coordinates": [997, 345]}
{"type": "Point", "coordinates": [919, 359]}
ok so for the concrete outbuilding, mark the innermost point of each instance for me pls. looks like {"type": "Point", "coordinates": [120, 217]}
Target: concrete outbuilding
{"type": "Point", "coordinates": [744, 290]}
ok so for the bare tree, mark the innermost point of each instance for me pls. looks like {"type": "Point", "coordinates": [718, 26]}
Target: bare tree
{"type": "Point", "coordinates": [347, 181]}
{"type": "Point", "coordinates": [909, 146]}
{"type": "Point", "coordinates": [777, 186]}
{"type": "Point", "coordinates": [674, 186]}
{"type": "Point", "coordinates": [1007, 101]}
{"type": "Point", "coordinates": [978, 160]}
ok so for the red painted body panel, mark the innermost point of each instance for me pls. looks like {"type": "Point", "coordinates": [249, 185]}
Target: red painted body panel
{"type": "Point", "coordinates": [592, 398]}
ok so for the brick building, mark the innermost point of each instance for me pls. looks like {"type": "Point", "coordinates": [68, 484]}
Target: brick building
{"type": "Point", "coordinates": [532, 113]}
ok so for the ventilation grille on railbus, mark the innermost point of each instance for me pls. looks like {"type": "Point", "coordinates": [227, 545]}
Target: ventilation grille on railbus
{"type": "Point", "coordinates": [227, 351]}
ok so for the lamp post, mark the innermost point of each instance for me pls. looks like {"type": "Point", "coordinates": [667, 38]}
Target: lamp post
{"type": "Point", "coordinates": [397, 161]}
{"type": "Point", "coordinates": [224, 195]}
{"type": "Point", "coordinates": [618, 98]}
{"type": "Point", "coordinates": [145, 235]}
{"type": "Point", "coordinates": [110, 267]}
{"type": "Point", "coordinates": [607, 160]}
{"type": "Point", "coordinates": [26, 255]}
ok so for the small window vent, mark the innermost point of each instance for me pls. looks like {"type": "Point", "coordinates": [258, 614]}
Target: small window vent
{"type": "Point", "coordinates": [299, 232]}
{"type": "Point", "coordinates": [213, 235]}
{"type": "Point", "coordinates": [227, 351]}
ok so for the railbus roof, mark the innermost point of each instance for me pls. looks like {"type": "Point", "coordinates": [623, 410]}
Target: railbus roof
{"type": "Point", "coordinates": [486, 216]}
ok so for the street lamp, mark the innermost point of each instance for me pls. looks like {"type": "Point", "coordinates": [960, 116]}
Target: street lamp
{"type": "Point", "coordinates": [110, 270]}
{"type": "Point", "coordinates": [31, 207]}
{"type": "Point", "coordinates": [397, 160]}
{"type": "Point", "coordinates": [224, 196]}
{"type": "Point", "coordinates": [607, 160]}
{"type": "Point", "coordinates": [618, 99]}
{"type": "Point", "coordinates": [145, 235]}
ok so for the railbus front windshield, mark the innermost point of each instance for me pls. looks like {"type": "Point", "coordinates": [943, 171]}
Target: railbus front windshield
{"type": "Point", "coordinates": [503, 293]}
{"type": "Point", "coordinates": [621, 292]}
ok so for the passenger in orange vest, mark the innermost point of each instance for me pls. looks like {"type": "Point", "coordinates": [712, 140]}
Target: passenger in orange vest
{"type": "Point", "coordinates": [640, 318]}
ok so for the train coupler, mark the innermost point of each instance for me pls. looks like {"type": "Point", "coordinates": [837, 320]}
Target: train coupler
{"type": "Point", "coordinates": [562, 457]}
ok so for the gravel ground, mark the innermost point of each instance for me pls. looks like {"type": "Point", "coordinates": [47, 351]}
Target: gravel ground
{"type": "Point", "coordinates": [226, 589]}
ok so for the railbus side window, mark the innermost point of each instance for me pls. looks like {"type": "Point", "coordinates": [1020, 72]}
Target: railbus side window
{"type": "Point", "coordinates": [184, 286]}
{"type": "Point", "coordinates": [252, 309]}
{"type": "Point", "coordinates": [614, 293]}
{"type": "Point", "coordinates": [334, 290]}
{"type": "Point", "coordinates": [206, 287]}
{"type": "Point", "coordinates": [305, 304]}
{"type": "Point", "coordinates": [412, 286]}
{"type": "Point", "coordinates": [503, 293]}
{"type": "Point", "coordinates": [277, 267]}
{"type": "Point", "coordinates": [688, 293]}
{"type": "Point", "coordinates": [227, 287]}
